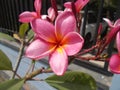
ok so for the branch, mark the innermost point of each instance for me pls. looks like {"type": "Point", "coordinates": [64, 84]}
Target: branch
{"type": "Point", "coordinates": [19, 58]}
{"type": "Point", "coordinates": [36, 72]}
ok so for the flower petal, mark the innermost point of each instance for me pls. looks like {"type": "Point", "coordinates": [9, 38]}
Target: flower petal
{"type": "Point", "coordinates": [58, 61]}
{"type": "Point", "coordinates": [113, 32]}
{"type": "Point", "coordinates": [114, 63]}
{"type": "Point", "coordinates": [108, 22]}
{"type": "Point", "coordinates": [65, 23]}
{"type": "Point", "coordinates": [68, 5]}
{"type": "Point", "coordinates": [72, 43]}
{"type": "Point", "coordinates": [27, 16]}
{"type": "Point", "coordinates": [38, 49]}
{"type": "Point", "coordinates": [37, 5]}
{"type": "Point", "coordinates": [44, 29]}
{"type": "Point", "coordinates": [117, 23]}
{"type": "Point", "coordinates": [51, 13]}
{"type": "Point", "coordinates": [79, 4]}
{"type": "Point", "coordinates": [118, 41]}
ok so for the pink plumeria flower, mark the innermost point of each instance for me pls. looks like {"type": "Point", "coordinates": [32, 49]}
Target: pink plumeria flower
{"type": "Point", "coordinates": [58, 42]}
{"type": "Point", "coordinates": [79, 4]}
{"type": "Point", "coordinates": [27, 16]}
{"type": "Point", "coordinates": [115, 59]}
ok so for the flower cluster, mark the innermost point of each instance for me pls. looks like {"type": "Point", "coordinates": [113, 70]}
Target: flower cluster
{"type": "Point", "coordinates": [55, 36]}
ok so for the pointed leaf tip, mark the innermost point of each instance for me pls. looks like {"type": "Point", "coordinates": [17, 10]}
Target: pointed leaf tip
{"type": "Point", "coordinates": [5, 63]}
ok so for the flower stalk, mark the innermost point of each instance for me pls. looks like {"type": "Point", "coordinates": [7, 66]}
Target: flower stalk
{"type": "Point", "coordinates": [36, 72]}
{"type": "Point", "coordinates": [21, 51]}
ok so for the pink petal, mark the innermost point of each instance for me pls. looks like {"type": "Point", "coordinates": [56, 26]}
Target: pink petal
{"type": "Point", "coordinates": [114, 63]}
{"type": "Point", "coordinates": [72, 43]}
{"type": "Point", "coordinates": [44, 29]}
{"type": "Point", "coordinates": [27, 16]}
{"type": "Point", "coordinates": [38, 49]}
{"type": "Point", "coordinates": [37, 5]}
{"type": "Point", "coordinates": [68, 5]}
{"type": "Point", "coordinates": [65, 23]}
{"type": "Point", "coordinates": [109, 22]}
{"type": "Point", "coordinates": [117, 23]}
{"type": "Point", "coordinates": [51, 13]}
{"type": "Point", "coordinates": [113, 32]}
{"type": "Point", "coordinates": [79, 4]}
{"type": "Point", "coordinates": [58, 61]}
{"type": "Point", "coordinates": [118, 41]}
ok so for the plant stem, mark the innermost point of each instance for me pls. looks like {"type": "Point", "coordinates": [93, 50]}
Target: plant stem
{"type": "Point", "coordinates": [87, 50]}
{"type": "Point", "coordinates": [17, 75]}
{"type": "Point", "coordinates": [36, 72]}
{"type": "Point", "coordinates": [19, 58]}
{"type": "Point", "coordinates": [31, 67]}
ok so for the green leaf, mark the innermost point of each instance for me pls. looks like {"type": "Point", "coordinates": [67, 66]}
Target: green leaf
{"type": "Point", "coordinates": [30, 34]}
{"type": "Point", "coordinates": [6, 36]}
{"type": "Point", "coordinates": [5, 63]}
{"type": "Point", "coordinates": [23, 28]}
{"type": "Point", "coordinates": [72, 81]}
{"type": "Point", "coordinates": [14, 84]}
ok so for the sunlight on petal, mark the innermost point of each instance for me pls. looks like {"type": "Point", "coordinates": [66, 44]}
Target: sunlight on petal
{"type": "Point", "coordinates": [108, 22]}
{"type": "Point", "coordinates": [58, 61]}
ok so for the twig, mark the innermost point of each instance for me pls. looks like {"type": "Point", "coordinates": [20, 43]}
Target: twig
{"type": "Point", "coordinates": [90, 58]}
{"type": "Point", "coordinates": [31, 67]}
{"type": "Point", "coordinates": [36, 72]}
{"type": "Point", "coordinates": [19, 58]}
{"type": "Point", "coordinates": [87, 50]}
{"type": "Point", "coordinates": [17, 74]}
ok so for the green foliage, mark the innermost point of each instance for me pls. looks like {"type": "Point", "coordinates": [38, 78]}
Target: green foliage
{"type": "Point", "coordinates": [6, 36]}
{"type": "Point", "coordinates": [22, 30]}
{"type": "Point", "coordinates": [72, 81]}
{"type": "Point", "coordinates": [30, 35]}
{"type": "Point", "coordinates": [5, 63]}
{"type": "Point", "coordinates": [14, 84]}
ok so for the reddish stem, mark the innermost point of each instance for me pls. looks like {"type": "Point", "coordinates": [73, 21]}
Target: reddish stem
{"type": "Point", "coordinates": [87, 50]}
{"type": "Point", "coordinates": [98, 58]}
{"type": "Point", "coordinates": [109, 38]}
